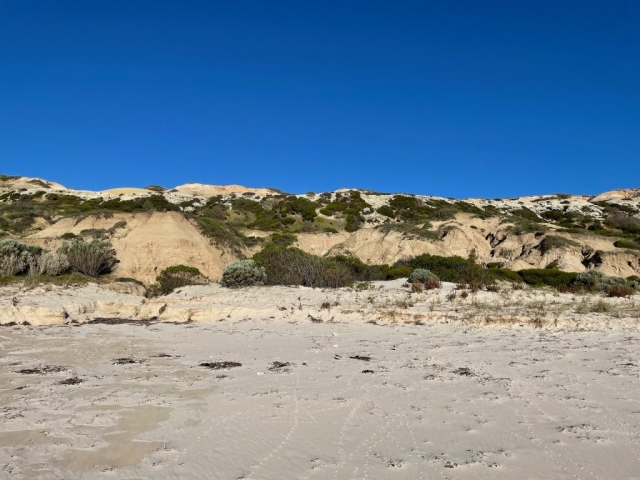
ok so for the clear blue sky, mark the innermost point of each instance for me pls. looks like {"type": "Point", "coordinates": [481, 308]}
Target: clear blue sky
{"type": "Point", "coordinates": [452, 98]}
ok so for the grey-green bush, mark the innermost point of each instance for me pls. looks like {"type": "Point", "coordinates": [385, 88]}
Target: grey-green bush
{"type": "Point", "coordinates": [48, 263]}
{"type": "Point", "coordinates": [422, 275]}
{"type": "Point", "coordinates": [244, 273]}
{"type": "Point", "coordinates": [15, 257]}
{"type": "Point", "coordinates": [91, 258]}
{"type": "Point", "coordinates": [597, 281]}
{"type": "Point", "coordinates": [12, 264]}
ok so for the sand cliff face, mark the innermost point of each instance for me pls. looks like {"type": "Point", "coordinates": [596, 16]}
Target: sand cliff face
{"type": "Point", "coordinates": [147, 244]}
{"type": "Point", "coordinates": [153, 241]}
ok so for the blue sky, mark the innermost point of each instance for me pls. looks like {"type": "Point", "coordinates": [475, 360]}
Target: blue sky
{"type": "Point", "coordinates": [452, 98]}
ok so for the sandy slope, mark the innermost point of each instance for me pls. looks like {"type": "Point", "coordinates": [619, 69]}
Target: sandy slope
{"type": "Point", "coordinates": [148, 244]}
{"type": "Point", "coordinates": [439, 401]}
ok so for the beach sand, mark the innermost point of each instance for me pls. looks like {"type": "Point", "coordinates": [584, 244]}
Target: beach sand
{"type": "Point", "coordinates": [311, 400]}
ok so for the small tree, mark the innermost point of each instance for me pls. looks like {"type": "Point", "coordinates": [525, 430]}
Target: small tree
{"type": "Point", "coordinates": [91, 258]}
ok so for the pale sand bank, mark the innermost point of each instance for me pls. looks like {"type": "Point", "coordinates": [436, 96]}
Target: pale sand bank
{"type": "Point", "coordinates": [439, 401]}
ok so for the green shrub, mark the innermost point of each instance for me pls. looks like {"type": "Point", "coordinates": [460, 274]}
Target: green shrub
{"type": "Point", "coordinates": [505, 275]}
{"type": "Point", "coordinates": [221, 233]}
{"type": "Point", "coordinates": [449, 269]}
{"type": "Point", "coordinates": [444, 213]}
{"type": "Point", "coordinates": [349, 205]}
{"type": "Point", "coordinates": [386, 210]}
{"type": "Point", "coordinates": [617, 217]}
{"type": "Point", "coordinates": [118, 225]}
{"type": "Point", "coordinates": [552, 278]}
{"type": "Point", "coordinates": [6, 178]}
{"type": "Point", "coordinates": [68, 236]}
{"type": "Point", "coordinates": [521, 226]}
{"type": "Point", "coordinates": [128, 280]}
{"type": "Point", "coordinates": [243, 273]}
{"type": "Point", "coordinates": [91, 258]}
{"type": "Point", "coordinates": [283, 239]}
{"type": "Point", "coordinates": [627, 244]}
{"type": "Point", "coordinates": [156, 188]}
{"type": "Point", "coordinates": [93, 232]}
{"type": "Point", "coordinates": [176, 276]}
{"type": "Point", "coordinates": [552, 242]}
{"type": "Point", "coordinates": [411, 230]}
{"type": "Point", "coordinates": [422, 275]}
{"type": "Point", "coordinates": [360, 271]}
{"type": "Point", "coordinates": [292, 266]}
{"type": "Point", "coordinates": [410, 209]}
{"type": "Point", "coordinates": [526, 214]}
{"type": "Point", "coordinates": [399, 272]}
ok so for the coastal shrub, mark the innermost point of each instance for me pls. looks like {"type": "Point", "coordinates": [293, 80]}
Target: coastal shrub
{"type": "Point", "coordinates": [399, 272]}
{"type": "Point", "coordinates": [412, 230]}
{"type": "Point", "coordinates": [616, 217]}
{"type": "Point", "coordinates": [386, 210]}
{"type": "Point", "coordinates": [283, 239]}
{"type": "Point", "coordinates": [243, 273]}
{"type": "Point", "coordinates": [444, 213]}
{"type": "Point", "coordinates": [292, 266]}
{"type": "Point", "coordinates": [421, 275]}
{"type": "Point", "coordinates": [68, 236]}
{"type": "Point", "coordinates": [505, 275]}
{"type": "Point", "coordinates": [48, 263]}
{"type": "Point", "coordinates": [627, 244]}
{"type": "Point", "coordinates": [521, 226]}
{"type": "Point", "coordinates": [449, 269]}
{"type": "Point", "coordinates": [360, 271]}
{"type": "Point", "coordinates": [596, 281]}
{"type": "Point", "coordinates": [91, 258]}
{"type": "Point", "coordinates": [174, 277]}
{"type": "Point", "coordinates": [552, 242]}
{"type": "Point", "coordinates": [222, 234]}
{"type": "Point", "coordinates": [15, 257]}
{"type": "Point", "coordinates": [12, 264]}
{"type": "Point", "coordinates": [541, 276]}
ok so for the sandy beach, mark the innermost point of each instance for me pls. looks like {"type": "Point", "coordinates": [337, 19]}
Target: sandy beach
{"type": "Point", "coordinates": [285, 398]}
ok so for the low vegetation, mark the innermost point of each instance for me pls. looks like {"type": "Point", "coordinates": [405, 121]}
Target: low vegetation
{"type": "Point", "coordinates": [174, 277]}
{"type": "Point", "coordinates": [292, 266]}
{"type": "Point", "coordinates": [89, 258]}
{"type": "Point", "coordinates": [244, 273]}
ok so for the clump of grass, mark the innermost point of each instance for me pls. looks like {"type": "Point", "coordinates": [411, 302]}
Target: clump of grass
{"type": "Point", "coordinates": [601, 306]}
